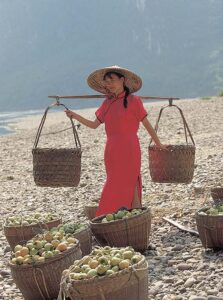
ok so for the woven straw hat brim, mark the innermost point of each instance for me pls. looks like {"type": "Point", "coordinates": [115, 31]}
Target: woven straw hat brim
{"type": "Point", "coordinates": [96, 82]}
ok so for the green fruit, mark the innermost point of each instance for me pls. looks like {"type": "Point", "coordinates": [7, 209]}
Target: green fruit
{"type": "Point", "coordinates": [92, 273]}
{"type": "Point", "coordinates": [109, 217]}
{"type": "Point", "coordinates": [136, 258]}
{"type": "Point", "coordinates": [128, 254]}
{"type": "Point", "coordinates": [109, 272]}
{"type": "Point", "coordinates": [120, 214]}
{"type": "Point", "coordinates": [101, 269]}
{"type": "Point", "coordinates": [115, 261]}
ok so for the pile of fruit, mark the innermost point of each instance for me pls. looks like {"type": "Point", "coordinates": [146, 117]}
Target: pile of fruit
{"type": "Point", "coordinates": [32, 219]}
{"type": "Point", "coordinates": [213, 211]}
{"type": "Point", "coordinates": [44, 246]}
{"type": "Point", "coordinates": [103, 262]}
{"type": "Point", "coordinates": [121, 215]}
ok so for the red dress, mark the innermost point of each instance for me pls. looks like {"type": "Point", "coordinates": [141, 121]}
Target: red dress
{"type": "Point", "coordinates": [122, 154]}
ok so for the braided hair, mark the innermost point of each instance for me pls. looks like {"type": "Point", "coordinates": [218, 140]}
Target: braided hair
{"type": "Point", "coordinates": [126, 89]}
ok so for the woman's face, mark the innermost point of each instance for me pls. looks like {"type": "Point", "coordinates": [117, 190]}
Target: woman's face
{"type": "Point", "coordinates": [114, 84]}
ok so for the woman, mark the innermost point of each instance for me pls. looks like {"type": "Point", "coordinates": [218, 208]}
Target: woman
{"type": "Point", "coordinates": [122, 113]}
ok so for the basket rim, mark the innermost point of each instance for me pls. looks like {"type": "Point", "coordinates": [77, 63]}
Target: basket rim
{"type": "Point", "coordinates": [32, 225]}
{"type": "Point", "coordinates": [99, 279]}
{"type": "Point", "coordinates": [146, 209]}
{"type": "Point", "coordinates": [173, 146]}
{"type": "Point", "coordinates": [56, 257]}
{"type": "Point", "coordinates": [59, 149]}
{"type": "Point", "coordinates": [207, 216]}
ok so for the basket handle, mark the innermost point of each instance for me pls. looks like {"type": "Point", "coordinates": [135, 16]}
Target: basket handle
{"type": "Point", "coordinates": [186, 127]}
{"type": "Point", "coordinates": [76, 137]}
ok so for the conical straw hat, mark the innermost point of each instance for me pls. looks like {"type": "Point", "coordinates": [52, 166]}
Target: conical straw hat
{"type": "Point", "coordinates": [96, 82]}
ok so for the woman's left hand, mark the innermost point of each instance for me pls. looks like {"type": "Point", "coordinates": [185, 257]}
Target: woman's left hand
{"type": "Point", "coordinates": [69, 113]}
{"type": "Point", "coordinates": [162, 147]}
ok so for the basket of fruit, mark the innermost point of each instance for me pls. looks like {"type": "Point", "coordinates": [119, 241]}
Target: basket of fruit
{"type": "Point", "coordinates": [210, 226]}
{"type": "Point", "coordinates": [176, 163]}
{"type": "Point", "coordinates": [79, 231]}
{"type": "Point", "coordinates": [36, 266]}
{"type": "Point", "coordinates": [126, 227]}
{"type": "Point", "coordinates": [21, 228]}
{"type": "Point", "coordinates": [217, 194]}
{"type": "Point", "coordinates": [90, 211]}
{"type": "Point", "coordinates": [107, 273]}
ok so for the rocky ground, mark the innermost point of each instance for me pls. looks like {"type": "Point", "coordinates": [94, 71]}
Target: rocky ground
{"type": "Point", "coordinates": [179, 267]}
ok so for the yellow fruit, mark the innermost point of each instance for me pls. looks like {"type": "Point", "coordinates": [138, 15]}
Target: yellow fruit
{"type": "Point", "coordinates": [17, 248]}
{"type": "Point", "coordinates": [19, 260]}
{"type": "Point", "coordinates": [93, 263]}
{"type": "Point", "coordinates": [124, 264]}
{"type": "Point", "coordinates": [62, 247]}
{"type": "Point", "coordinates": [71, 240]}
{"type": "Point", "coordinates": [24, 251]}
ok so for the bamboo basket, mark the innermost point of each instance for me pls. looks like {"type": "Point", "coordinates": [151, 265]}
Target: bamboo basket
{"type": "Point", "coordinates": [19, 234]}
{"type": "Point", "coordinates": [90, 211]}
{"type": "Point", "coordinates": [133, 231]}
{"type": "Point", "coordinates": [85, 238]}
{"type": "Point", "coordinates": [131, 284]}
{"type": "Point", "coordinates": [54, 167]}
{"type": "Point", "coordinates": [176, 163]}
{"type": "Point", "coordinates": [210, 230]}
{"type": "Point", "coordinates": [41, 281]}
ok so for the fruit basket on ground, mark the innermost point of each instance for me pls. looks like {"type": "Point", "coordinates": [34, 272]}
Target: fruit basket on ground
{"type": "Point", "coordinates": [123, 228]}
{"type": "Point", "coordinates": [21, 228]}
{"type": "Point", "coordinates": [82, 232]}
{"type": "Point", "coordinates": [36, 266]}
{"type": "Point", "coordinates": [107, 273]}
{"type": "Point", "coordinates": [210, 226]}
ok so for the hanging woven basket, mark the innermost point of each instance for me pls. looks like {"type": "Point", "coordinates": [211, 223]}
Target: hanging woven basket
{"type": "Point", "coordinates": [53, 167]}
{"type": "Point", "coordinates": [176, 163]}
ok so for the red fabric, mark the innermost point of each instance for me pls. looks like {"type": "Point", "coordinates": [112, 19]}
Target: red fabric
{"type": "Point", "coordinates": [122, 154]}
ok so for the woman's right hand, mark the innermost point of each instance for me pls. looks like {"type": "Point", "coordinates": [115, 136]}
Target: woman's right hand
{"type": "Point", "coordinates": [69, 113]}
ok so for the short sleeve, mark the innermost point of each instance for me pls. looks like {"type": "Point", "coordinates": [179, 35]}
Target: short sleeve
{"type": "Point", "coordinates": [140, 111]}
{"type": "Point", "coordinates": [100, 112]}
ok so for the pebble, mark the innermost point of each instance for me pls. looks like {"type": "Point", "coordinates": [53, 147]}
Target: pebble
{"type": "Point", "coordinates": [179, 267]}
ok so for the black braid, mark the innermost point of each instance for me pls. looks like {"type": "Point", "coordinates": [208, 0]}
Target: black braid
{"type": "Point", "coordinates": [127, 92]}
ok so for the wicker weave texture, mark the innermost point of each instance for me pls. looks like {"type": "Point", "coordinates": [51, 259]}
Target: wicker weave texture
{"type": "Point", "coordinates": [210, 230]}
{"type": "Point", "coordinates": [175, 165]}
{"type": "Point", "coordinates": [121, 233]}
{"type": "Point", "coordinates": [42, 280]}
{"type": "Point", "coordinates": [57, 167]}
{"type": "Point", "coordinates": [217, 193]}
{"type": "Point", "coordinates": [85, 238]}
{"type": "Point", "coordinates": [90, 211]}
{"type": "Point", "coordinates": [20, 234]}
{"type": "Point", "coordinates": [131, 284]}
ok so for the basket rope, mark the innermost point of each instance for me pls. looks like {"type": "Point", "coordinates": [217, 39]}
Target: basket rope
{"type": "Point", "coordinates": [44, 283]}
{"type": "Point", "coordinates": [186, 127]}
{"type": "Point", "coordinates": [76, 137]}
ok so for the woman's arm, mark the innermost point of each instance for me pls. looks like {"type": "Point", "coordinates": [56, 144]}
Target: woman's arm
{"type": "Point", "coordinates": [91, 124]}
{"type": "Point", "coordinates": [152, 133]}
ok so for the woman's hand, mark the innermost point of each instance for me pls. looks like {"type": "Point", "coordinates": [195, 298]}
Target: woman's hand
{"type": "Point", "coordinates": [162, 147]}
{"type": "Point", "coordinates": [69, 113]}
